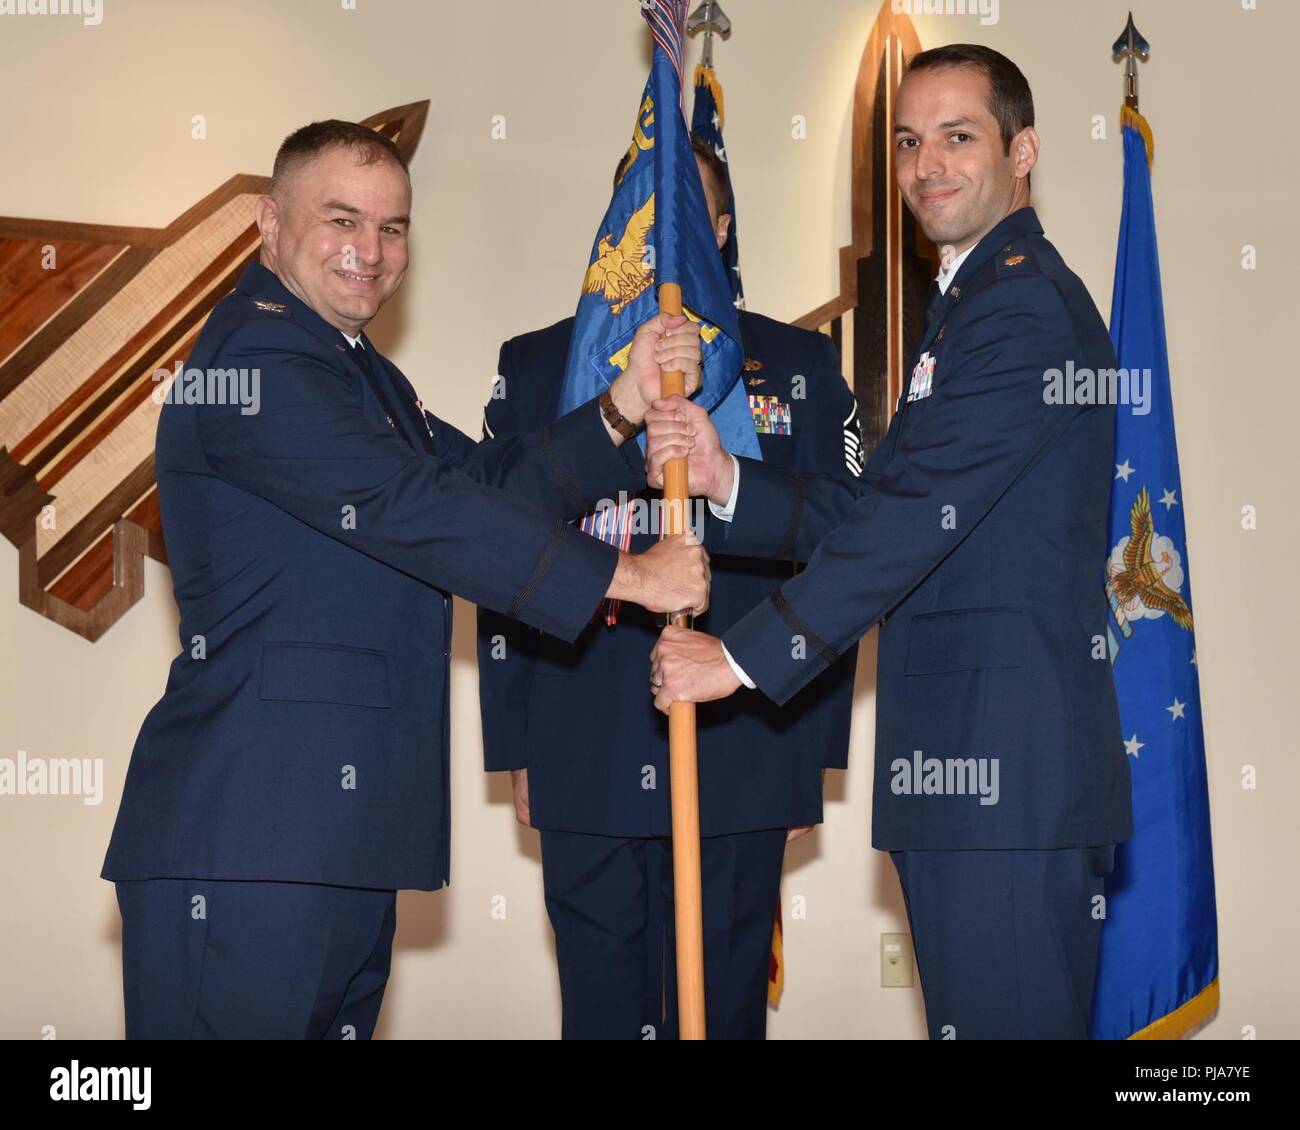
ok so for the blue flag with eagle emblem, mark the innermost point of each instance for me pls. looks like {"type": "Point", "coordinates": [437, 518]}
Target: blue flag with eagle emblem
{"type": "Point", "coordinates": [657, 230]}
{"type": "Point", "coordinates": [1157, 973]}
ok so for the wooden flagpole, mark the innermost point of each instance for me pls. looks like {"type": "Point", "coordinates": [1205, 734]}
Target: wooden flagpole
{"type": "Point", "coordinates": [683, 770]}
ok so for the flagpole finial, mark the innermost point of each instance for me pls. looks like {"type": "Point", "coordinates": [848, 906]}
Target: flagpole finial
{"type": "Point", "coordinates": [1131, 47]}
{"type": "Point", "coordinates": [708, 18]}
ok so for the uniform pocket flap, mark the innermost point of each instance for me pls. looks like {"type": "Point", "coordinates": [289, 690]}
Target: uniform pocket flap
{"type": "Point", "coordinates": [319, 672]}
{"type": "Point", "coordinates": [964, 640]}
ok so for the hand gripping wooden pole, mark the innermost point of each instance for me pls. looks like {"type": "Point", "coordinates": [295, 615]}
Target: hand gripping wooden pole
{"type": "Point", "coordinates": [683, 771]}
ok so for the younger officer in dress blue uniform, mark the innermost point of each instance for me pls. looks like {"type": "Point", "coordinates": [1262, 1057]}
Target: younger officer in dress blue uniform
{"type": "Point", "coordinates": [590, 755]}
{"type": "Point", "coordinates": [976, 537]}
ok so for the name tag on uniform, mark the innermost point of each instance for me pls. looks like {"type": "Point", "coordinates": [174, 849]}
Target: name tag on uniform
{"type": "Point", "coordinates": [771, 417]}
{"type": "Point", "coordinates": [922, 383]}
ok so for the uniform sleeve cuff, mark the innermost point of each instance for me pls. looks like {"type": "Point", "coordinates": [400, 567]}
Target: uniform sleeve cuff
{"type": "Point", "coordinates": [568, 585]}
{"type": "Point", "coordinates": [589, 459]}
{"type": "Point", "coordinates": [736, 669]}
{"type": "Point", "coordinates": [779, 657]}
{"type": "Point", "coordinates": [727, 512]}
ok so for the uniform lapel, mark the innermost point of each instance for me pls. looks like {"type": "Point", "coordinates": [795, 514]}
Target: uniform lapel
{"type": "Point", "coordinates": [392, 388]}
{"type": "Point", "coordinates": [262, 284]}
{"type": "Point", "coordinates": [1021, 222]}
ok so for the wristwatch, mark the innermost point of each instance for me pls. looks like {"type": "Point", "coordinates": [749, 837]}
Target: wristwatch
{"type": "Point", "coordinates": [614, 418]}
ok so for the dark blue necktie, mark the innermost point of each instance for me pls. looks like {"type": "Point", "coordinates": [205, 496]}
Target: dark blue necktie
{"type": "Point", "coordinates": [362, 356]}
{"type": "Point", "coordinates": [403, 412]}
{"type": "Point", "coordinates": [932, 303]}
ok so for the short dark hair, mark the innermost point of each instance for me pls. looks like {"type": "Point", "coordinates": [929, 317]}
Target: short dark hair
{"type": "Point", "coordinates": [311, 140]}
{"type": "Point", "coordinates": [707, 155]}
{"type": "Point", "coordinates": [717, 167]}
{"type": "Point", "coordinates": [1010, 100]}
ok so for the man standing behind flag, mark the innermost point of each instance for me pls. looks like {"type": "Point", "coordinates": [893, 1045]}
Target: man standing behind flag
{"type": "Point", "coordinates": [589, 754]}
{"type": "Point", "coordinates": [707, 119]}
{"type": "Point", "coordinates": [974, 538]}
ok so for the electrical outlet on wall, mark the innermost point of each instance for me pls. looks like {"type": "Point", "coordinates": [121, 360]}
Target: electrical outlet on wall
{"type": "Point", "coordinates": [896, 962]}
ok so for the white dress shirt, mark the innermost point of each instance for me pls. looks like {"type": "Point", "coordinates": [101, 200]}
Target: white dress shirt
{"type": "Point", "coordinates": [945, 276]}
{"type": "Point", "coordinates": [724, 514]}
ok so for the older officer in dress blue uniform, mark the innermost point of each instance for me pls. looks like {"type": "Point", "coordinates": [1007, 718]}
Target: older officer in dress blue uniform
{"type": "Point", "coordinates": [589, 754]}
{"type": "Point", "coordinates": [976, 537]}
{"type": "Point", "coordinates": [295, 772]}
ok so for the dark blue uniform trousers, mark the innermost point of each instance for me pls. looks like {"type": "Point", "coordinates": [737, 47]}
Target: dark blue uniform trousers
{"type": "Point", "coordinates": [205, 959]}
{"type": "Point", "coordinates": [610, 901]}
{"type": "Point", "coordinates": [1006, 940]}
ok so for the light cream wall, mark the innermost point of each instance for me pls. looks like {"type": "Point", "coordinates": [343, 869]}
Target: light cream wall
{"type": "Point", "coordinates": [500, 239]}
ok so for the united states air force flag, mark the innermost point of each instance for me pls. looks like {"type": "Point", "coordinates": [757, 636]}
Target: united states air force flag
{"type": "Point", "coordinates": [1158, 969]}
{"type": "Point", "coordinates": [708, 116]}
{"type": "Point", "coordinates": [656, 231]}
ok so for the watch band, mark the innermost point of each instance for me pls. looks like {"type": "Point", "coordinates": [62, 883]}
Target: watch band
{"type": "Point", "coordinates": [614, 418]}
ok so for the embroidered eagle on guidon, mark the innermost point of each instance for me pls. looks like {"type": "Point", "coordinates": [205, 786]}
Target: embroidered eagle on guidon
{"type": "Point", "coordinates": [621, 271]}
{"type": "Point", "coordinates": [1144, 574]}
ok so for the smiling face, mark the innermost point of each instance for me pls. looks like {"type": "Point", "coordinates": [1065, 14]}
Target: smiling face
{"type": "Point", "coordinates": [954, 171]}
{"type": "Point", "coordinates": [335, 233]}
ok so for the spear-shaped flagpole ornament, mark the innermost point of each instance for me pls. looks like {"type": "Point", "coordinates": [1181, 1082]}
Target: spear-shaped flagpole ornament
{"type": "Point", "coordinates": [1131, 47]}
{"type": "Point", "coordinates": [708, 18]}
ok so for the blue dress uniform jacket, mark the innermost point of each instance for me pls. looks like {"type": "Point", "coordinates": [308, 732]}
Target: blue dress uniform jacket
{"type": "Point", "coordinates": [303, 734]}
{"type": "Point", "coordinates": [580, 717]}
{"type": "Point", "coordinates": [977, 537]}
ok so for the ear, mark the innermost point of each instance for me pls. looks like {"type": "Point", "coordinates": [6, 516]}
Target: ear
{"type": "Point", "coordinates": [1024, 152]}
{"type": "Point", "coordinates": [722, 229]}
{"type": "Point", "coordinates": [266, 215]}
